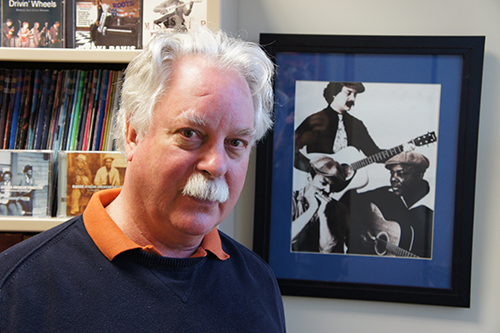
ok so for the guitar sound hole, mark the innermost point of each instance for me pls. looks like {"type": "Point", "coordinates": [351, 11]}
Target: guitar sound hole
{"type": "Point", "coordinates": [381, 243]}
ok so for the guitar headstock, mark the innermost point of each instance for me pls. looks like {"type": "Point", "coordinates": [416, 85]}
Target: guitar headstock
{"type": "Point", "coordinates": [425, 139]}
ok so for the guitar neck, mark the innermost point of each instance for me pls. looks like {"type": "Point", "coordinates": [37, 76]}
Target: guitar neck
{"type": "Point", "coordinates": [398, 252]}
{"type": "Point", "coordinates": [378, 157]}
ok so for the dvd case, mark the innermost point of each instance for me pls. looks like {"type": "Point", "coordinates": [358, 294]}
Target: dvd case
{"type": "Point", "coordinates": [82, 173]}
{"type": "Point", "coordinates": [25, 182]}
{"type": "Point", "coordinates": [106, 24]}
{"type": "Point", "coordinates": [33, 24]}
{"type": "Point", "coordinates": [172, 14]}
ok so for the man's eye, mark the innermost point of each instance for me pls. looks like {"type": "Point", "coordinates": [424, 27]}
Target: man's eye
{"type": "Point", "coordinates": [237, 143]}
{"type": "Point", "coordinates": [188, 133]}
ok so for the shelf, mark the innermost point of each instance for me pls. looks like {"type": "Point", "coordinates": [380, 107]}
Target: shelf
{"type": "Point", "coordinates": [67, 55]}
{"type": "Point", "coordinates": [22, 224]}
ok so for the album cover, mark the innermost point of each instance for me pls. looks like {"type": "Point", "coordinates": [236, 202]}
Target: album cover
{"type": "Point", "coordinates": [82, 173]}
{"type": "Point", "coordinates": [106, 24]}
{"type": "Point", "coordinates": [172, 14]}
{"type": "Point", "coordinates": [25, 182]}
{"type": "Point", "coordinates": [33, 24]}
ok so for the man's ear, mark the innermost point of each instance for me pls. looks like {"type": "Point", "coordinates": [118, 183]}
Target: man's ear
{"type": "Point", "coordinates": [131, 141]}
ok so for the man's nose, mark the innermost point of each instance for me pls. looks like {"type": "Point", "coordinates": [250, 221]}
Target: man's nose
{"type": "Point", "coordinates": [214, 161]}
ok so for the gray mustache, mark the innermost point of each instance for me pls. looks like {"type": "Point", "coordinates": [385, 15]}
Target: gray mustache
{"type": "Point", "coordinates": [204, 188]}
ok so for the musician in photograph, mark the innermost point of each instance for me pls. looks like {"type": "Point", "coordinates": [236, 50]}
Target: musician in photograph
{"type": "Point", "coordinates": [80, 178]}
{"type": "Point", "coordinates": [8, 200]}
{"type": "Point", "coordinates": [396, 219]}
{"type": "Point", "coordinates": [24, 34]}
{"type": "Point", "coordinates": [35, 35]}
{"type": "Point", "coordinates": [319, 223]}
{"type": "Point", "coordinates": [104, 20]}
{"type": "Point", "coordinates": [107, 175]}
{"type": "Point", "coordinates": [53, 36]}
{"type": "Point", "coordinates": [8, 30]}
{"type": "Point", "coordinates": [333, 128]}
{"type": "Point", "coordinates": [173, 12]}
{"type": "Point", "coordinates": [25, 191]}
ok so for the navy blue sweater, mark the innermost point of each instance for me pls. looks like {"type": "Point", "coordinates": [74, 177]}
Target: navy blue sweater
{"type": "Point", "coordinates": [59, 281]}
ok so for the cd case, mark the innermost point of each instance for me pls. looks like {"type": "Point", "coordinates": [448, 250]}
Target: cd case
{"type": "Point", "coordinates": [25, 187]}
{"type": "Point", "coordinates": [82, 173]}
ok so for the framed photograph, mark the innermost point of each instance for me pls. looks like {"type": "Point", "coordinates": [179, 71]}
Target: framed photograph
{"type": "Point", "coordinates": [365, 188]}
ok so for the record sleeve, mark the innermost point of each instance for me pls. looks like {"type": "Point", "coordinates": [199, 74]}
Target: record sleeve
{"type": "Point", "coordinates": [173, 14]}
{"type": "Point", "coordinates": [107, 24]}
{"type": "Point", "coordinates": [25, 182]}
{"type": "Point", "coordinates": [33, 24]}
{"type": "Point", "coordinates": [82, 173]}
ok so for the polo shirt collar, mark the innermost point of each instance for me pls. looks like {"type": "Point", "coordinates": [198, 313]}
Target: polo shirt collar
{"type": "Point", "coordinates": [111, 240]}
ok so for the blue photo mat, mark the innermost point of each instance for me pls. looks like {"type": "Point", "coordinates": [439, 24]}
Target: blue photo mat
{"type": "Point", "coordinates": [445, 70]}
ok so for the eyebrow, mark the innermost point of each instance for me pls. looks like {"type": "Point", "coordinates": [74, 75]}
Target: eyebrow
{"type": "Point", "coordinates": [195, 119]}
{"type": "Point", "coordinates": [200, 121]}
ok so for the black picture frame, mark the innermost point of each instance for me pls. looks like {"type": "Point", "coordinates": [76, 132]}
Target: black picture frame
{"type": "Point", "coordinates": [455, 64]}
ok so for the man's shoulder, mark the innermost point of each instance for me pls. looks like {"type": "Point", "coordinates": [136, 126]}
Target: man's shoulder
{"type": "Point", "coordinates": [32, 248]}
{"type": "Point", "coordinates": [240, 252]}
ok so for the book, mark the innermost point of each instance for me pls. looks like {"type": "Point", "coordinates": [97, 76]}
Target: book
{"type": "Point", "coordinates": [107, 24]}
{"type": "Point", "coordinates": [25, 182]}
{"type": "Point", "coordinates": [59, 130]}
{"type": "Point", "coordinates": [82, 173]}
{"type": "Point", "coordinates": [5, 104]}
{"type": "Point", "coordinates": [89, 118]}
{"type": "Point", "coordinates": [33, 24]}
{"type": "Point", "coordinates": [41, 117]}
{"type": "Point", "coordinates": [49, 113]}
{"type": "Point", "coordinates": [99, 119]}
{"type": "Point", "coordinates": [110, 141]}
{"type": "Point", "coordinates": [56, 110]}
{"type": "Point", "coordinates": [172, 14]}
{"type": "Point", "coordinates": [37, 82]}
{"type": "Point", "coordinates": [10, 108]}
{"type": "Point", "coordinates": [16, 109]}
{"type": "Point", "coordinates": [26, 112]}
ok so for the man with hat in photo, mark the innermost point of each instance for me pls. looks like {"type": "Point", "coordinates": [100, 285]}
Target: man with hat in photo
{"type": "Point", "coordinates": [79, 176]}
{"type": "Point", "coordinates": [107, 175]}
{"type": "Point", "coordinates": [403, 210]}
{"type": "Point", "coordinates": [319, 222]}
{"type": "Point", "coordinates": [26, 189]}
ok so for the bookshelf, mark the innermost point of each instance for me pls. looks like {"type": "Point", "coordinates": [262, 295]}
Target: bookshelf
{"type": "Point", "coordinates": [75, 59]}
{"type": "Point", "coordinates": [66, 56]}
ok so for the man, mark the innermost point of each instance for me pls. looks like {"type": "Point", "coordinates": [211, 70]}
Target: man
{"type": "Point", "coordinates": [173, 12]}
{"type": "Point", "coordinates": [80, 178]}
{"type": "Point", "coordinates": [107, 175]}
{"type": "Point", "coordinates": [26, 188]}
{"type": "Point", "coordinates": [8, 29]}
{"type": "Point", "coordinates": [103, 21]}
{"type": "Point", "coordinates": [319, 223]}
{"type": "Point", "coordinates": [54, 38]}
{"type": "Point", "coordinates": [399, 214]}
{"type": "Point", "coordinates": [24, 34]}
{"type": "Point", "coordinates": [333, 128]}
{"type": "Point", "coordinates": [149, 257]}
{"type": "Point", "coordinates": [8, 199]}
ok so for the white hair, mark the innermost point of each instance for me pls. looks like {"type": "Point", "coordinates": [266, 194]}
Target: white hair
{"type": "Point", "coordinates": [147, 77]}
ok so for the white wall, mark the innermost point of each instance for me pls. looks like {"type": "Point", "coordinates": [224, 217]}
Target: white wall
{"type": "Point", "coordinates": [394, 17]}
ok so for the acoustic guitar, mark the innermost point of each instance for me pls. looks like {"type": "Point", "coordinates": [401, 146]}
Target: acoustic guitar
{"type": "Point", "coordinates": [386, 235]}
{"type": "Point", "coordinates": [352, 160]}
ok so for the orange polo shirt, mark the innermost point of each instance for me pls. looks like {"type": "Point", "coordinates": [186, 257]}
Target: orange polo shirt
{"type": "Point", "coordinates": [111, 240]}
